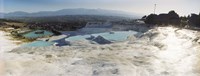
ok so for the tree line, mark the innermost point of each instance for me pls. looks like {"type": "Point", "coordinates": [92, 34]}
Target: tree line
{"type": "Point", "coordinates": [172, 18]}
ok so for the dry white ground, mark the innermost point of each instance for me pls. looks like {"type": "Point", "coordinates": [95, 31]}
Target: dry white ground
{"type": "Point", "coordinates": [5, 45]}
{"type": "Point", "coordinates": [162, 51]}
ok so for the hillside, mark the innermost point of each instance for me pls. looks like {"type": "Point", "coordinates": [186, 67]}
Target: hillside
{"type": "Point", "coordinates": [78, 11]}
{"type": "Point", "coordinates": [69, 18]}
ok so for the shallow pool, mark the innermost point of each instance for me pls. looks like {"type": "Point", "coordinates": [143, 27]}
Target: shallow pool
{"type": "Point", "coordinates": [116, 36]}
{"type": "Point", "coordinates": [111, 36]}
{"type": "Point", "coordinates": [78, 37]}
{"type": "Point", "coordinates": [38, 44]}
{"type": "Point", "coordinates": [34, 35]}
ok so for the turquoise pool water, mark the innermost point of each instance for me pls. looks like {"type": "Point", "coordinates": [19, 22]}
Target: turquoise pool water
{"type": "Point", "coordinates": [38, 44]}
{"type": "Point", "coordinates": [34, 35]}
{"type": "Point", "coordinates": [78, 37]}
{"type": "Point", "coordinates": [115, 36]}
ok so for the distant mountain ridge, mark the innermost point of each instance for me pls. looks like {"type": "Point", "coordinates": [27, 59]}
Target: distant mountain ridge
{"type": "Point", "coordinates": [78, 11]}
{"type": "Point", "coordinates": [1, 15]}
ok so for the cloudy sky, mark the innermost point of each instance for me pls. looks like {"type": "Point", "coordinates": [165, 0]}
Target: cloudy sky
{"type": "Point", "coordinates": [183, 7]}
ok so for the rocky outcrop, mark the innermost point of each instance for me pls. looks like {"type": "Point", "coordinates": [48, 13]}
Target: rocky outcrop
{"type": "Point", "coordinates": [101, 40]}
{"type": "Point", "coordinates": [171, 18]}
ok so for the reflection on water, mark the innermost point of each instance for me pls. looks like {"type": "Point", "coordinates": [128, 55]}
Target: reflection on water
{"type": "Point", "coordinates": [37, 34]}
{"type": "Point", "coordinates": [111, 36]}
{"type": "Point", "coordinates": [38, 44]}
